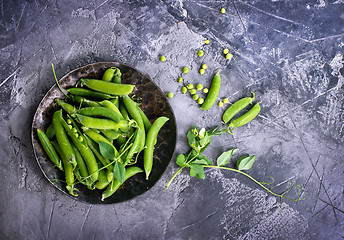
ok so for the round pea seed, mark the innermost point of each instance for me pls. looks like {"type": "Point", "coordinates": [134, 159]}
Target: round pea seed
{"type": "Point", "coordinates": [75, 130]}
{"type": "Point", "coordinates": [184, 90]}
{"type": "Point", "coordinates": [193, 91]}
{"type": "Point", "coordinates": [162, 58]}
{"type": "Point", "coordinates": [199, 87]}
{"type": "Point", "coordinates": [170, 95]}
{"type": "Point", "coordinates": [70, 126]}
{"type": "Point", "coordinates": [229, 56]}
{"type": "Point", "coordinates": [223, 10]}
{"type": "Point", "coordinates": [200, 53]}
{"type": "Point", "coordinates": [180, 79]}
{"type": "Point", "coordinates": [204, 66]}
{"type": "Point", "coordinates": [76, 134]}
{"type": "Point", "coordinates": [205, 90]}
{"type": "Point", "coordinates": [225, 100]}
{"type": "Point", "coordinates": [81, 138]}
{"type": "Point", "coordinates": [195, 97]}
{"type": "Point", "coordinates": [207, 41]}
{"type": "Point", "coordinates": [200, 101]}
{"type": "Point", "coordinates": [185, 70]}
{"type": "Point", "coordinates": [69, 121]}
{"type": "Point", "coordinates": [201, 71]}
{"type": "Point", "coordinates": [190, 86]}
{"type": "Point", "coordinates": [220, 104]}
{"type": "Point", "coordinates": [225, 51]}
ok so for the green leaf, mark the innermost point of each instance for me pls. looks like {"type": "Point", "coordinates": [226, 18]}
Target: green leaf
{"type": "Point", "coordinates": [180, 160]}
{"type": "Point", "coordinates": [119, 172]}
{"type": "Point", "coordinates": [225, 157]}
{"type": "Point", "coordinates": [205, 141]}
{"type": "Point", "coordinates": [245, 162]}
{"type": "Point", "coordinates": [202, 133]}
{"type": "Point", "coordinates": [106, 150]}
{"type": "Point", "coordinates": [192, 139]}
{"type": "Point", "coordinates": [201, 159]}
{"type": "Point", "coordinates": [197, 171]}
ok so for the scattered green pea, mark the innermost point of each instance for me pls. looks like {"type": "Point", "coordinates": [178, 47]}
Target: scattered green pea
{"type": "Point", "coordinates": [190, 86]}
{"type": "Point", "coordinates": [184, 90]}
{"type": "Point", "coordinates": [170, 95]}
{"type": "Point", "coordinates": [223, 10]}
{"type": "Point", "coordinates": [229, 56]}
{"type": "Point", "coordinates": [204, 66]}
{"type": "Point", "coordinates": [205, 90]}
{"type": "Point", "coordinates": [162, 58]}
{"type": "Point", "coordinates": [199, 87]}
{"type": "Point", "coordinates": [225, 100]}
{"type": "Point", "coordinates": [200, 53]}
{"type": "Point", "coordinates": [195, 97]}
{"type": "Point", "coordinates": [225, 51]}
{"type": "Point", "coordinates": [207, 41]}
{"type": "Point", "coordinates": [185, 70]}
{"type": "Point", "coordinates": [201, 71]}
{"type": "Point", "coordinates": [193, 91]}
{"type": "Point", "coordinates": [200, 101]}
{"type": "Point", "coordinates": [220, 104]}
{"type": "Point", "coordinates": [180, 79]}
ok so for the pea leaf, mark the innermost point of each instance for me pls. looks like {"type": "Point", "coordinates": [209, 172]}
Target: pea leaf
{"type": "Point", "coordinates": [245, 162]}
{"type": "Point", "coordinates": [225, 157]}
{"type": "Point", "coordinates": [202, 133]}
{"type": "Point", "coordinates": [201, 159]}
{"type": "Point", "coordinates": [180, 160]}
{"type": "Point", "coordinates": [192, 139]}
{"type": "Point", "coordinates": [197, 171]}
{"type": "Point", "coordinates": [205, 141]}
{"type": "Point", "coordinates": [106, 150]}
{"type": "Point", "coordinates": [119, 172]}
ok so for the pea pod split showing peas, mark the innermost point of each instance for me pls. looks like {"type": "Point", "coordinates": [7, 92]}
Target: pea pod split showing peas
{"type": "Point", "coordinates": [213, 92]}
{"type": "Point", "coordinates": [236, 108]}
{"type": "Point", "coordinates": [150, 142]}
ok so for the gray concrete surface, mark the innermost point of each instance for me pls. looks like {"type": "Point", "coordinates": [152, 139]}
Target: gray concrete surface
{"type": "Point", "coordinates": [290, 53]}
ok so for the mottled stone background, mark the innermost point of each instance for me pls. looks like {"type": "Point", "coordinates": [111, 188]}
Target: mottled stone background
{"type": "Point", "coordinates": [290, 53]}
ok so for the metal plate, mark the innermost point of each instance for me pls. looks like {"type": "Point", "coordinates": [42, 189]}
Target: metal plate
{"type": "Point", "coordinates": [154, 105]}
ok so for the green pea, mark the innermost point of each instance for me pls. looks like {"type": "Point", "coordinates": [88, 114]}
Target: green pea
{"type": "Point", "coordinates": [162, 58]}
{"type": "Point", "coordinates": [190, 86]}
{"type": "Point", "coordinates": [184, 90]}
{"type": "Point", "coordinates": [185, 70]}
{"type": "Point", "coordinates": [200, 53]}
{"type": "Point", "coordinates": [223, 10]}
{"type": "Point", "coordinates": [170, 95]}
{"type": "Point", "coordinates": [200, 101]}
{"type": "Point", "coordinates": [199, 87]}
{"type": "Point", "coordinates": [201, 71]}
{"type": "Point", "coordinates": [229, 56]}
{"type": "Point", "coordinates": [204, 66]}
{"type": "Point", "coordinates": [193, 91]}
{"type": "Point", "coordinates": [205, 90]}
{"type": "Point", "coordinates": [220, 104]}
{"type": "Point", "coordinates": [180, 79]}
{"type": "Point", "coordinates": [207, 41]}
{"type": "Point", "coordinates": [225, 51]}
{"type": "Point", "coordinates": [195, 97]}
{"type": "Point", "coordinates": [225, 100]}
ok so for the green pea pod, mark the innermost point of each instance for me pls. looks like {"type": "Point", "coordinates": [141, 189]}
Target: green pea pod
{"type": "Point", "coordinates": [115, 184]}
{"type": "Point", "coordinates": [83, 92]}
{"type": "Point", "coordinates": [99, 123]}
{"type": "Point", "coordinates": [124, 111]}
{"type": "Point", "coordinates": [95, 149]}
{"type": "Point", "coordinates": [150, 142]}
{"type": "Point", "coordinates": [68, 169]}
{"type": "Point", "coordinates": [246, 118]}
{"type": "Point", "coordinates": [85, 151]}
{"type": "Point", "coordinates": [100, 112]}
{"type": "Point", "coordinates": [236, 107]}
{"type": "Point", "coordinates": [213, 92]}
{"type": "Point", "coordinates": [116, 89]}
{"type": "Point", "coordinates": [112, 106]}
{"type": "Point", "coordinates": [81, 172]}
{"type": "Point", "coordinates": [70, 109]}
{"type": "Point", "coordinates": [145, 119]}
{"type": "Point", "coordinates": [112, 74]}
{"type": "Point", "coordinates": [102, 180]}
{"type": "Point", "coordinates": [62, 138]}
{"type": "Point", "coordinates": [49, 149]}
{"type": "Point", "coordinates": [50, 132]}
{"type": "Point", "coordinates": [110, 134]}
{"type": "Point", "coordinates": [81, 101]}
{"type": "Point", "coordinates": [115, 101]}
{"type": "Point", "coordinates": [136, 147]}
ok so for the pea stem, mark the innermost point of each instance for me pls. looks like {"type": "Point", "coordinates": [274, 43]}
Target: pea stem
{"type": "Point", "coordinates": [57, 82]}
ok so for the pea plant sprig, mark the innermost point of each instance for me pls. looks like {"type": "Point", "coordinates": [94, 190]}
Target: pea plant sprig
{"type": "Point", "coordinates": [199, 140]}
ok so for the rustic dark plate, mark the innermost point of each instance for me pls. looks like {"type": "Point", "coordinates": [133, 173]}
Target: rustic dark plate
{"type": "Point", "coordinates": [154, 104]}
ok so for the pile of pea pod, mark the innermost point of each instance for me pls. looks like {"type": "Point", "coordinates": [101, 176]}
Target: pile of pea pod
{"type": "Point", "coordinates": [96, 113]}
